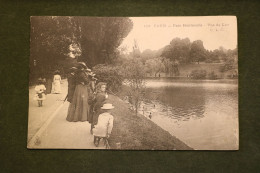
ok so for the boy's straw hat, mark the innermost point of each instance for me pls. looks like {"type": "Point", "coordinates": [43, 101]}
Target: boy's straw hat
{"type": "Point", "coordinates": [56, 71]}
{"type": "Point", "coordinates": [107, 106]}
{"type": "Point", "coordinates": [39, 79]}
{"type": "Point", "coordinates": [73, 69]}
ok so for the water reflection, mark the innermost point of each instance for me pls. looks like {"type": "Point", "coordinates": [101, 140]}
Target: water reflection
{"type": "Point", "coordinates": [176, 102]}
{"type": "Point", "coordinates": [204, 114]}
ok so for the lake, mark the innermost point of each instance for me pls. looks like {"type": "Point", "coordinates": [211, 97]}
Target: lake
{"type": "Point", "coordinates": [201, 113]}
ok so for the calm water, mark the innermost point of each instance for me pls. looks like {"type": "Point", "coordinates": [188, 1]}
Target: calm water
{"type": "Point", "coordinates": [203, 114]}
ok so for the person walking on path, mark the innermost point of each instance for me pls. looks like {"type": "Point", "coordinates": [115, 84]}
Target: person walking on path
{"type": "Point", "coordinates": [100, 98]}
{"type": "Point", "coordinates": [104, 126]}
{"type": "Point", "coordinates": [79, 108]}
{"type": "Point", "coordinates": [49, 79]}
{"type": "Point", "coordinates": [56, 82]}
{"type": "Point", "coordinates": [40, 96]}
{"type": "Point", "coordinates": [71, 83]}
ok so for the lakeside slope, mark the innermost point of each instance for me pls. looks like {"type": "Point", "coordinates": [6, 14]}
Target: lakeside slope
{"type": "Point", "coordinates": [139, 133]}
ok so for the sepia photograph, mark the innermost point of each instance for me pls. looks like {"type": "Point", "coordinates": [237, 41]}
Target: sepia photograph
{"type": "Point", "coordinates": [133, 83]}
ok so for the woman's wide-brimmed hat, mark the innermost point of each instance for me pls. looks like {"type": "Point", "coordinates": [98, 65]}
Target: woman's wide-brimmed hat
{"type": "Point", "coordinates": [82, 64]}
{"type": "Point", "coordinates": [88, 70]}
{"type": "Point", "coordinates": [72, 69]}
{"type": "Point", "coordinates": [107, 106]}
{"type": "Point", "coordinates": [92, 74]}
{"type": "Point", "coordinates": [56, 71]}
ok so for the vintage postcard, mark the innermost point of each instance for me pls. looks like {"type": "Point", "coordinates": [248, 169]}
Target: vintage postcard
{"type": "Point", "coordinates": [133, 83]}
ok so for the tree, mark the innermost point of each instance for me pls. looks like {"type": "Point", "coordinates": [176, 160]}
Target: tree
{"type": "Point", "coordinates": [134, 74]}
{"type": "Point", "coordinates": [112, 75]}
{"type": "Point", "coordinates": [90, 39]}
{"type": "Point", "coordinates": [101, 36]}
{"type": "Point", "coordinates": [147, 54]}
{"type": "Point", "coordinates": [197, 51]}
{"type": "Point", "coordinates": [167, 66]}
{"type": "Point", "coordinates": [154, 65]}
{"type": "Point", "coordinates": [178, 50]}
{"type": "Point", "coordinates": [50, 42]}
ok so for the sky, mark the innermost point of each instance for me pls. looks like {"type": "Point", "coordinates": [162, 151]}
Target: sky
{"type": "Point", "coordinates": [156, 32]}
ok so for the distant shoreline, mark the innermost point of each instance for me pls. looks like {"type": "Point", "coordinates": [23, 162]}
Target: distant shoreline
{"type": "Point", "coordinates": [186, 78]}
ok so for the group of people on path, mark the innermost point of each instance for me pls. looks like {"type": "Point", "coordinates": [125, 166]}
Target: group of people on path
{"type": "Point", "coordinates": [87, 99]}
{"type": "Point", "coordinates": [88, 102]}
{"type": "Point", "coordinates": [52, 86]}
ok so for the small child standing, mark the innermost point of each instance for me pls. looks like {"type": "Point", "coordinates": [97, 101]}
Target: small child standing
{"type": "Point", "coordinates": [104, 125]}
{"type": "Point", "coordinates": [40, 96]}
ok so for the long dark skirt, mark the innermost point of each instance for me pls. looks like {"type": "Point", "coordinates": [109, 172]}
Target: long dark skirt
{"type": "Point", "coordinates": [48, 86]}
{"type": "Point", "coordinates": [93, 118]}
{"type": "Point", "coordinates": [79, 108]}
{"type": "Point", "coordinates": [91, 113]}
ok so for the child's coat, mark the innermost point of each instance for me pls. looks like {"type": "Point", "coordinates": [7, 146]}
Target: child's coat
{"type": "Point", "coordinates": [104, 125]}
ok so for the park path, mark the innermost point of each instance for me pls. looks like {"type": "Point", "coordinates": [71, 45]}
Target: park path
{"type": "Point", "coordinates": [48, 127]}
{"type": "Point", "coordinates": [39, 115]}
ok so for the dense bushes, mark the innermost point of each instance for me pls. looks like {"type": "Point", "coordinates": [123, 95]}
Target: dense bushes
{"type": "Point", "coordinates": [198, 74]}
{"type": "Point", "coordinates": [212, 75]}
{"type": "Point", "coordinates": [202, 74]}
{"type": "Point", "coordinates": [229, 65]}
{"type": "Point", "coordinates": [110, 74]}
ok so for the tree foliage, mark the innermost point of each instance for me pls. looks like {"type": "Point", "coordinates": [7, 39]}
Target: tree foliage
{"type": "Point", "coordinates": [94, 40]}
{"type": "Point", "coordinates": [178, 50]}
{"type": "Point", "coordinates": [112, 75]}
{"type": "Point", "coordinates": [154, 65]}
{"type": "Point", "coordinates": [197, 51]}
{"type": "Point", "coordinates": [134, 73]}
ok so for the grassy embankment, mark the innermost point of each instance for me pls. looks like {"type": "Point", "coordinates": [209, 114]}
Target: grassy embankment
{"type": "Point", "coordinates": [139, 133]}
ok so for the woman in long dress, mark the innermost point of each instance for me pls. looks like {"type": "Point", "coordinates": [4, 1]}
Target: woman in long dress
{"type": "Point", "coordinates": [71, 83]}
{"type": "Point", "coordinates": [79, 107]}
{"type": "Point", "coordinates": [56, 83]}
{"type": "Point", "coordinates": [49, 78]}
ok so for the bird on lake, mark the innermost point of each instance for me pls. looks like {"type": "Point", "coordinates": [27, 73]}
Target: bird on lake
{"type": "Point", "coordinates": [150, 115]}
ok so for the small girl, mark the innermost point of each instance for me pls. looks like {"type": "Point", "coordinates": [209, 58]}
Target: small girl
{"type": "Point", "coordinates": [40, 96]}
{"type": "Point", "coordinates": [104, 126]}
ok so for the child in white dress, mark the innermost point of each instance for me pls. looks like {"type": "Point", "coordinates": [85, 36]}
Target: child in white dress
{"type": "Point", "coordinates": [40, 96]}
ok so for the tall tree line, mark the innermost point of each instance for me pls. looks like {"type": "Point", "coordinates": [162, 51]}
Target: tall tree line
{"type": "Point", "coordinates": [184, 51]}
{"type": "Point", "coordinates": [61, 41]}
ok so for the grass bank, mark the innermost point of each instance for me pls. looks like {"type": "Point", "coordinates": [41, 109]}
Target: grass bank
{"type": "Point", "coordinates": [139, 133]}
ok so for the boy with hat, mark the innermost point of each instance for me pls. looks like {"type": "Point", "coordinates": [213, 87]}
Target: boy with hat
{"type": "Point", "coordinates": [105, 124]}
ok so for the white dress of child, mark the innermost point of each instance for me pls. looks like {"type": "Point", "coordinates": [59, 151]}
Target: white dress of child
{"type": "Point", "coordinates": [40, 92]}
